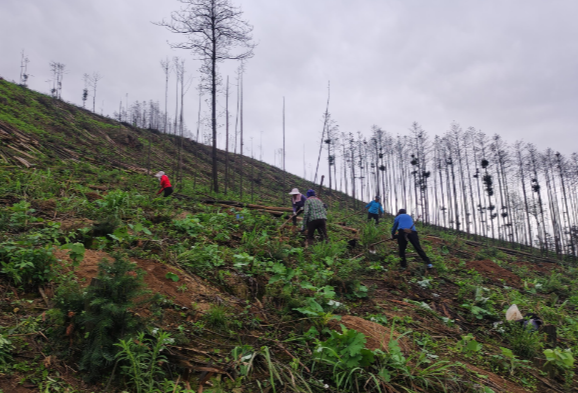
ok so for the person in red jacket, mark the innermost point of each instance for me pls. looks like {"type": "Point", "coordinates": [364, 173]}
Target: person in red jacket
{"type": "Point", "coordinates": [165, 184]}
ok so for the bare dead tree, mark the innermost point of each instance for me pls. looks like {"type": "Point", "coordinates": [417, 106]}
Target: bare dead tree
{"type": "Point", "coordinates": [176, 67]}
{"type": "Point", "coordinates": [213, 28]}
{"type": "Point", "coordinates": [352, 155]}
{"type": "Point", "coordinates": [241, 130]}
{"type": "Point", "coordinates": [93, 83]}
{"type": "Point", "coordinates": [325, 119]}
{"type": "Point", "coordinates": [199, 114]}
{"type": "Point", "coordinates": [24, 70]}
{"type": "Point", "coordinates": [547, 161]}
{"type": "Point", "coordinates": [86, 79]}
{"type": "Point", "coordinates": [331, 132]}
{"type": "Point", "coordinates": [181, 79]}
{"type": "Point", "coordinates": [58, 71]}
{"type": "Point", "coordinates": [165, 65]}
{"type": "Point", "coordinates": [561, 164]}
{"type": "Point", "coordinates": [284, 173]}
{"type": "Point", "coordinates": [227, 136]}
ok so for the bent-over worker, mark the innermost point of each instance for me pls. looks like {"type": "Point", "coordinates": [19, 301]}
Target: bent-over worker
{"type": "Point", "coordinates": [314, 217]}
{"type": "Point", "coordinates": [298, 202]}
{"type": "Point", "coordinates": [165, 184]}
{"type": "Point", "coordinates": [403, 223]}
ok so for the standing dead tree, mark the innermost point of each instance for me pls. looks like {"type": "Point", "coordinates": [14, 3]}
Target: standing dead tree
{"type": "Point", "coordinates": [93, 82]}
{"type": "Point", "coordinates": [325, 119]}
{"type": "Point", "coordinates": [331, 131]}
{"type": "Point", "coordinates": [86, 79]}
{"type": "Point", "coordinates": [227, 136]}
{"type": "Point", "coordinates": [213, 28]}
{"type": "Point", "coordinates": [57, 70]}
{"type": "Point", "coordinates": [284, 170]}
{"type": "Point", "coordinates": [420, 172]}
{"type": "Point", "coordinates": [24, 70]}
{"type": "Point", "coordinates": [165, 65]}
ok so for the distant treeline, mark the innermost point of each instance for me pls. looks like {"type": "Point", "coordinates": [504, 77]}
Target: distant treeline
{"type": "Point", "coordinates": [465, 181]}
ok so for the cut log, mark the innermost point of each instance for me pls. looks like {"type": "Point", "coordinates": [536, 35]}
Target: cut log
{"type": "Point", "coordinates": [281, 209]}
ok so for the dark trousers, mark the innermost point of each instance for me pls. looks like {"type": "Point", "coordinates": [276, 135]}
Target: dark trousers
{"type": "Point", "coordinates": [320, 226]}
{"type": "Point", "coordinates": [402, 240]}
{"type": "Point", "coordinates": [167, 191]}
{"type": "Point", "coordinates": [373, 216]}
{"type": "Point", "coordinates": [299, 211]}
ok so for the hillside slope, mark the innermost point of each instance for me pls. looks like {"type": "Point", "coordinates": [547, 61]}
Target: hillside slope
{"type": "Point", "coordinates": [37, 131]}
{"type": "Point", "coordinates": [235, 301]}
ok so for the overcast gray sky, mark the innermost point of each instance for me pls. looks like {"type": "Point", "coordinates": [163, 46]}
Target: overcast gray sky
{"type": "Point", "coordinates": [506, 67]}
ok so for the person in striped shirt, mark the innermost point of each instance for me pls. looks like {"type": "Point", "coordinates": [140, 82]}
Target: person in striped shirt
{"type": "Point", "coordinates": [314, 217]}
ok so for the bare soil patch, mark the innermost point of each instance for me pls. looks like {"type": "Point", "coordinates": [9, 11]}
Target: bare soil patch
{"type": "Point", "coordinates": [544, 268]}
{"type": "Point", "coordinates": [497, 383]}
{"type": "Point", "coordinates": [494, 272]}
{"type": "Point", "coordinates": [71, 224]}
{"type": "Point", "coordinates": [93, 196]}
{"type": "Point", "coordinates": [186, 290]}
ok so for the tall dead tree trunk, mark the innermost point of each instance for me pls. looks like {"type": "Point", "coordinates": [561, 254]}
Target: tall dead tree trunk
{"type": "Point", "coordinates": [561, 169]}
{"type": "Point", "coordinates": [326, 118]}
{"type": "Point", "coordinates": [165, 64]}
{"type": "Point", "coordinates": [227, 137]}
{"type": "Point", "coordinates": [284, 170]}
{"type": "Point", "coordinates": [536, 188]}
{"type": "Point", "coordinates": [522, 176]}
{"type": "Point", "coordinates": [241, 129]}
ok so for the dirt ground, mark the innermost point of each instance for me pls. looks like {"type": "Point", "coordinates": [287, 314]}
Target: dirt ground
{"type": "Point", "coordinates": [377, 335]}
{"type": "Point", "coordinates": [187, 290]}
{"type": "Point", "coordinates": [543, 268]}
{"type": "Point", "coordinates": [494, 272]}
{"type": "Point", "coordinates": [497, 383]}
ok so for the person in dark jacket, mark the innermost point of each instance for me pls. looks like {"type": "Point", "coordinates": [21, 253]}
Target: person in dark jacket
{"type": "Point", "coordinates": [314, 217]}
{"type": "Point", "coordinates": [374, 208]}
{"type": "Point", "coordinates": [298, 202]}
{"type": "Point", "coordinates": [165, 184]}
{"type": "Point", "coordinates": [405, 227]}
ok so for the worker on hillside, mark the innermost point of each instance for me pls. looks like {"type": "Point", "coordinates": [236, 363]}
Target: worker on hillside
{"type": "Point", "coordinates": [165, 184]}
{"type": "Point", "coordinates": [314, 217]}
{"type": "Point", "coordinates": [403, 223]}
{"type": "Point", "coordinates": [374, 208]}
{"type": "Point", "coordinates": [298, 202]}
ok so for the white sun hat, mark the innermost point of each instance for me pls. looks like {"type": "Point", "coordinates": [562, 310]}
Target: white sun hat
{"type": "Point", "coordinates": [160, 174]}
{"type": "Point", "coordinates": [294, 191]}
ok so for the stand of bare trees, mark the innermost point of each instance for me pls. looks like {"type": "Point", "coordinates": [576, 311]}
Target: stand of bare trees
{"type": "Point", "coordinates": [58, 70]}
{"type": "Point", "coordinates": [465, 181]}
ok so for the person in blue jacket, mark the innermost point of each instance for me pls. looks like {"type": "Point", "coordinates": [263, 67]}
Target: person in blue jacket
{"type": "Point", "coordinates": [374, 208]}
{"type": "Point", "coordinates": [405, 227]}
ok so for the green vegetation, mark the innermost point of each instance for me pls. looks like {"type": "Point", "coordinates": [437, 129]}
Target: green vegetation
{"type": "Point", "coordinates": [95, 319]}
{"type": "Point", "coordinates": [145, 294]}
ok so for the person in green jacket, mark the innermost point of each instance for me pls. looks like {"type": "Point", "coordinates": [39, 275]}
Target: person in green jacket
{"type": "Point", "coordinates": [314, 218]}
